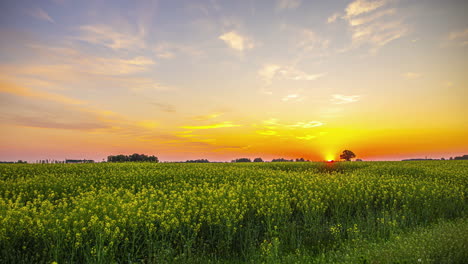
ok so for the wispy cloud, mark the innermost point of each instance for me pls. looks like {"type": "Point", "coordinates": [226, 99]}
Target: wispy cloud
{"type": "Point", "coordinates": [109, 37]}
{"type": "Point", "coordinates": [459, 37]}
{"type": "Point", "coordinates": [237, 41]}
{"type": "Point", "coordinates": [225, 124]}
{"type": "Point", "coordinates": [344, 99]}
{"type": "Point", "coordinates": [287, 4]}
{"type": "Point", "coordinates": [78, 61]}
{"type": "Point", "coordinates": [333, 17]}
{"type": "Point", "coordinates": [40, 14]}
{"type": "Point", "coordinates": [359, 7]}
{"type": "Point", "coordinates": [309, 124]}
{"type": "Point", "coordinates": [373, 23]}
{"type": "Point", "coordinates": [271, 71]}
{"type": "Point", "coordinates": [207, 117]}
{"type": "Point", "coordinates": [291, 97]}
{"type": "Point", "coordinates": [10, 88]}
{"type": "Point", "coordinates": [298, 130]}
{"type": "Point", "coordinates": [412, 75]}
{"type": "Point", "coordinates": [266, 132]}
{"type": "Point", "coordinates": [168, 50]}
{"type": "Point", "coordinates": [164, 107]}
{"type": "Point", "coordinates": [307, 137]}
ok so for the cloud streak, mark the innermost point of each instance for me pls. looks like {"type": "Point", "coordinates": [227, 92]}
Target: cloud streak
{"type": "Point", "coordinates": [459, 37]}
{"type": "Point", "coordinates": [226, 124]}
{"type": "Point", "coordinates": [41, 15]}
{"type": "Point", "coordinates": [107, 36]}
{"type": "Point", "coordinates": [344, 99]}
{"type": "Point", "coordinates": [236, 41]}
{"type": "Point", "coordinates": [373, 23]}
{"type": "Point", "coordinates": [271, 71]}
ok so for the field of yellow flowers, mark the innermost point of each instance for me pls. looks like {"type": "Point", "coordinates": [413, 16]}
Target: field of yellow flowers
{"type": "Point", "coordinates": [226, 212]}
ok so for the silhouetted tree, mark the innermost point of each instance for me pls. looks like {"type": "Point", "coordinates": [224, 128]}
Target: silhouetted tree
{"type": "Point", "coordinates": [198, 161]}
{"type": "Point", "coordinates": [281, 160]}
{"type": "Point", "coordinates": [242, 160]}
{"type": "Point", "coordinates": [464, 157]}
{"type": "Point", "coordinates": [258, 160]}
{"type": "Point", "coordinates": [134, 158]}
{"type": "Point", "coordinates": [347, 155]}
{"type": "Point", "coordinates": [300, 160]}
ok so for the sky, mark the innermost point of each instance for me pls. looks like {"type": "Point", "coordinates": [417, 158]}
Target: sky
{"type": "Point", "coordinates": [220, 80]}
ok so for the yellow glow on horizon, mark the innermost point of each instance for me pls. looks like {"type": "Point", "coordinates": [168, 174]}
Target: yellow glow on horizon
{"type": "Point", "coordinates": [329, 157]}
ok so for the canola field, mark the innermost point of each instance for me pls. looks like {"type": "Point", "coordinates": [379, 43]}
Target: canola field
{"type": "Point", "coordinates": [292, 212]}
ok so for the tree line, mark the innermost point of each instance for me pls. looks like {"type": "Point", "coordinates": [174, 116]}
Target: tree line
{"type": "Point", "coordinates": [132, 158]}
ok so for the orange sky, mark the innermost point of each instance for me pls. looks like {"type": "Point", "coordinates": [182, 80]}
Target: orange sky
{"type": "Point", "coordinates": [223, 80]}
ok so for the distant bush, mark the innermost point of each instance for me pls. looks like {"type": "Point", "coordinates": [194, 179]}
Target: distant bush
{"type": "Point", "coordinates": [281, 160]}
{"type": "Point", "coordinates": [198, 161]}
{"type": "Point", "coordinates": [242, 160]}
{"type": "Point", "coordinates": [132, 158]}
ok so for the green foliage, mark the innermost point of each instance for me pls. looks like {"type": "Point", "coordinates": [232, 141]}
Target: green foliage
{"type": "Point", "coordinates": [253, 212]}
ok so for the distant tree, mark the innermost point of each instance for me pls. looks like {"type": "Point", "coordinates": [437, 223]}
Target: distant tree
{"type": "Point", "coordinates": [358, 159]}
{"type": "Point", "coordinates": [198, 161]}
{"type": "Point", "coordinates": [464, 157]}
{"type": "Point", "coordinates": [281, 160]}
{"type": "Point", "coordinates": [442, 158]}
{"type": "Point", "coordinates": [258, 160]}
{"type": "Point", "coordinates": [451, 158]}
{"type": "Point", "coordinates": [347, 155]}
{"type": "Point", "coordinates": [242, 160]}
{"type": "Point", "coordinates": [133, 158]}
{"type": "Point", "coordinates": [300, 160]}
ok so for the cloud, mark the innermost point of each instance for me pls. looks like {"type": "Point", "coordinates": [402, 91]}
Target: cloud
{"type": "Point", "coordinates": [165, 107]}
{"type": "Point", "coordinates": [40, 14]}
{"type": "Point", "coordinates": [168, 50]}
{"type": "Point", "coordinates": [333, 18]}
{"type": "Point", "coordinates": [459, 37]}
{"type": "Point", "coordinates": [287, 4]}
{"type": "Point", "coordinates": [309, 40]}
{"type": "Point", "coordinates": [10, 88]}
{"type": "Point", "coordinates": [107, 36]}
{"type": "Point", "coordinates": [359, 7]}
{"type": "Point", "coordinates": [26, 107]}
{"type": "Point", "coordinates": [309, 124]}
{"type": "Point", "coordinates": [207, 117]}
{"type": "Point", "coordinates": [373, 25]}
{"type": "Point", "coordinates": [298, 130]}
{"type": "Point", "coordinates": [271, 71]}
{"type": "Point", "coordinates": [307, 137]}
{"type": "Point", "coordinates": [344, 99]}
{"type": "Point", "coordinates": [412, 75]}
{"type": "Point", "coordinates": [266, 132]}
{"type": "Point", "coordinates": [74, 60]}
{"type": "Point", "coordinates": [290, 97]}
{"type": "Point", "coordinates": [225, 124]}
{"type": "Point", "coordinates": [372, 17]}
{"type": "Point", "coordinates": [268, 72]}
{"type": "Point", "coordinates": [236, 41]}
